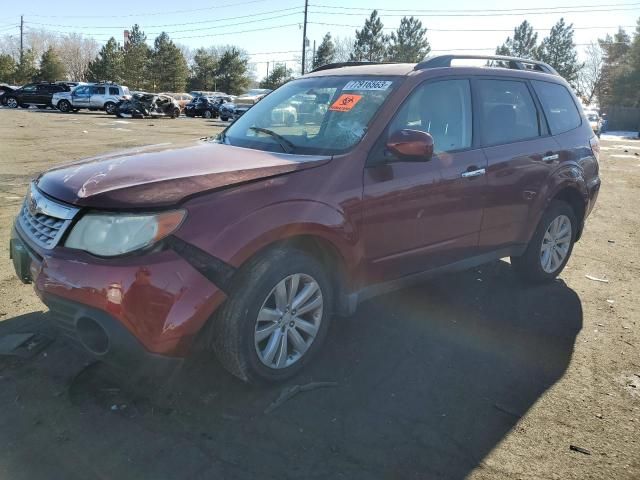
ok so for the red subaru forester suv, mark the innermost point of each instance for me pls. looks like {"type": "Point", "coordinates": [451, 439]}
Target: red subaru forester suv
{"type": "Point", "coordinates": [252, 241]}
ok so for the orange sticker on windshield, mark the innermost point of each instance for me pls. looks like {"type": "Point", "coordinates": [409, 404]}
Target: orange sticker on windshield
{"type": "Point", "coordinates": [345, 103]}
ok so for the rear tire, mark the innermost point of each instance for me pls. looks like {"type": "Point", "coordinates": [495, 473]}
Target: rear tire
{"type": "Point", "coordinates": [175, 113]}
{"type": "Point", "coordinates": [548, 251]}
{"type": "Point", "coordinates": [110, 108]}
{"type": "Point", "coordinates": [253, 318]}
{"type": "Point", "coordinates": [207, 114]}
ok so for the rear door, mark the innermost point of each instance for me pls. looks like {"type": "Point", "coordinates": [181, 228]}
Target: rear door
{"type": "Point", "coordinates": [419, 215]}
{"type": "Point", "coordinates": [521, 155]}
{"type": "Point", "coordinates": [98, 94]}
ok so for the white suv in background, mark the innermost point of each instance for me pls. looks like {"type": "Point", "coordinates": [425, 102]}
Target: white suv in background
{"type": "Point", "coordinates": [94, 96]}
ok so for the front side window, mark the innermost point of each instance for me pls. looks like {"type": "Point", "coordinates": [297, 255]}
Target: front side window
{"type": "Point", "coordinates": [442, 109]}
{"type": "Point", "coordinates": [559, 107]}
{"type": "Point", "coordinates": [507, 112]}
{"type": "Point", "coordinates": [314, 116]}
{"type": "Point", "coordinates": [81, 90]}
{"type": "Point", "coordinates": [29, 88]}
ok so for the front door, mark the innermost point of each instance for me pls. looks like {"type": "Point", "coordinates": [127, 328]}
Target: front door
{"type": "Point", "coordinates": [81, 96]}
{"type": "Point", "coordinates": [29, 94]}
{"type": "Point", "coordinates": [419, 215]}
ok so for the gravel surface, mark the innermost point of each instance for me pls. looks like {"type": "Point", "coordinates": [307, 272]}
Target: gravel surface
{"type": "Point", "coordinates": [472, 375]}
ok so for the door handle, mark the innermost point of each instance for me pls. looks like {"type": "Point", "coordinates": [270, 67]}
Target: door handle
{"type": "Point", "coordinates": [473, 173]}
{"type": "Point", "coordinates": [550, 158]}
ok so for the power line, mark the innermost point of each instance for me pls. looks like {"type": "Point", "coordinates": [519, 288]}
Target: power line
{"type": "Point", "coordinates": [470, 10]}
{"type": "Point", "coordinates": [151, 14]}
{"type": "Point", "coordinates": [268, 12]}
{"type": "Point", "coordinates": [472, 29]}
{"type": "Point", "coordinates": [495, 14]}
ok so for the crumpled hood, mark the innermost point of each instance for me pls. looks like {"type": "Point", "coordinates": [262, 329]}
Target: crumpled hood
{"type": "Point", "coordinates": [160, 175]}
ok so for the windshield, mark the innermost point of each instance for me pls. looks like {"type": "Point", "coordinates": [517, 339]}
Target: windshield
{"type": "Point", "coordinates": [315, 116]}
{"type": "Point", "coordinates": [592, 117]}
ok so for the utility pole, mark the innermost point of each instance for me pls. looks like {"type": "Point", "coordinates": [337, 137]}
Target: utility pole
{"type": "Point", "coordinates": [267, 71]}
{"type": "Point", "coordinates": [21, 37]}
{"type": "Point", "coordinates": [304, 35]}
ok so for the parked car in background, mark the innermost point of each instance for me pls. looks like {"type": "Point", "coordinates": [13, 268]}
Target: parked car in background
{"type": "Point", "coordinates": [252, 96]}
{"type": "Point", "coordinates": [182, 98]}
{"type": "Point", "coordinates": [232, 111]}
{"type": "Point", "coordinates": [142, 105]}
{"type": "Point", "coordinates": [92, 96]}
{"type": "Point", "coordinates": [4, 89]}
{"type": "Point", "coordinates": [207, 107]}
{"type": "Point", "coordinates": [39, 94]}
{"type": "Point", "coordinates": [595, 122]}
{"type": "Point", "coordinates": [203, 93]}
{"type": "Point", "coordinates": [248, 244]}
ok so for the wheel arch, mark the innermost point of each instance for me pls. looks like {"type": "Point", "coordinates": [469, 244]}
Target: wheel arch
{"type": "Point", "coordinates": [571, 195]}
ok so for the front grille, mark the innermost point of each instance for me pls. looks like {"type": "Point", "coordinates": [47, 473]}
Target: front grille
{"type": "Point", "coordinates": [43, 220]}
{"type": "Point", "coordinates": [41, 228]}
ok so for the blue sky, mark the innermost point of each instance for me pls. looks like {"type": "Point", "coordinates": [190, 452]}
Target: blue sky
{"type": "Point", "coordinates": [271, 30]}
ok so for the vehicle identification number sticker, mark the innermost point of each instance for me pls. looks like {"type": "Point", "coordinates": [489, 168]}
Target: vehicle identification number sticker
{"type": "Point", "coordinates": [345, 103]}
{"type": "Point", "coordinates": [367, 85]}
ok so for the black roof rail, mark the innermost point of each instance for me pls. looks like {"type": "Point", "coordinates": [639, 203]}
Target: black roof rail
{"type": "Point", "coordinates": [330, 66]}
{"type": "Point", "coordinates": [515, 63]}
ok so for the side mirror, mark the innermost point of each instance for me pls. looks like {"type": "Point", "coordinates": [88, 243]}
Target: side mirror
{"type": "Point", "coordinates": [411, 145]}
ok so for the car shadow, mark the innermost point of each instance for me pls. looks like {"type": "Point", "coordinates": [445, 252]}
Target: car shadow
{"type": "Point", "coordinates": [427, 381]}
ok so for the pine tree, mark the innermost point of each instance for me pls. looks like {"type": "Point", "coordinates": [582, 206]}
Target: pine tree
{"type": "Point", "coordinates": [625, 79]}
{"type": "Point", "coordinates": [168, 65]}
{"type": "Point", "coordinates": [26, 69]}
{"type": "Point", "coordinates": [409, 43]}
{"type": "Point", "coordinates": [370, 44]}
{"type": "Point", "coordinates": [559, 51]}
{"type": "Point", "coordinates": [232, 71]}
{"type": "Point", "coordinates": [615, 50]}
{"type": "Point", "coordinates": [7, 68]}
{"type": "Point", "coordinates": [203, 70]}
{"type": "Point", "coordinates": [51, 67]}
{"type": "Point", "coordinates": [108, 65]}
{"type": "Point", "coordinates": [524, 43]}
{"type": "Point", "coordinates": [277, 77]}
{"type": "Point", "coordinates": [325, 52]}
{"type": "Point", "coordinates": [136, 58]}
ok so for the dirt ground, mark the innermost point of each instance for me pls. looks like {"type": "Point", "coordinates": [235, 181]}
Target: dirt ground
{"type": "Point", "coordinates": [472, 375]}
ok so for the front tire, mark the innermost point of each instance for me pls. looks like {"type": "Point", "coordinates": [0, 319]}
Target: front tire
{"type": "Point", "coordinates": [276, 317]}
{"type": "Point", "coordinates": [64, 106]}
{"type": "Point", "coordinates": [12, 102]}
{"type": "Point", "coordinates": [207, 114]}
{"type": "Point", "coordinates": [550, 247]}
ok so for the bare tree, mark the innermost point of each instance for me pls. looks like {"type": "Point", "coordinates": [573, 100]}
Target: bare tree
{"type": "Point", "coordinates": [76, 51]}
{"type": "Point", "coordinates": [590, 76]}
{"type": "Point", "coordinates": [343, 48]}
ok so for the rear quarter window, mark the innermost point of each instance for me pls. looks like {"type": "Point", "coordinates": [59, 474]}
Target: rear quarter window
{"type": "Point", "coordinates": [559, 107]}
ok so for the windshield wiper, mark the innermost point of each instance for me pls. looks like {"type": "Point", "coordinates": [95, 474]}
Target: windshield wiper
{"type": "Point", "coordinates": [287, 145]}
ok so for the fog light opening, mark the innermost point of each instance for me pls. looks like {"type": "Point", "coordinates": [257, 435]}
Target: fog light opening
{"type": "Point", "coordinates": [92, 336]}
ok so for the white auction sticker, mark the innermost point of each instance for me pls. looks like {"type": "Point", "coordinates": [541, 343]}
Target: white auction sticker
{"type": "Point", "coordinates": [367, 85]}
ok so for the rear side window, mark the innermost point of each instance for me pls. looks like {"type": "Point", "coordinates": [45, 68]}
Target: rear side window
{"type": "Point", "coordinates": [113, 91]}
{"type": "Point", "coordinates": [98, 90]}
{"type": "Point", "coordinates": [442, 109]}
{"type": "Point", "coordinates": [559, 107]}
{"type": "Point", "coordinates": [507, 112]}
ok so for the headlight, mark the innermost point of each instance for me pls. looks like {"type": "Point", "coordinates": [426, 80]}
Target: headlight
{"type": "Point", "coordinates": [110, 234]}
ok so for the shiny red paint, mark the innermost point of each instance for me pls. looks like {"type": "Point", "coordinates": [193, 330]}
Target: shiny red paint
{"type": "Point", "coordinates": [382, 221]}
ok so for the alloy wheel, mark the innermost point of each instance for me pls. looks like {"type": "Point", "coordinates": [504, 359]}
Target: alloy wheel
{"type": "Point", "coordinates": [12, 103]}
{"type": "Point", "coordinates": [288, 321]}
{"type": "Point", "coordinates": [556, 244]}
